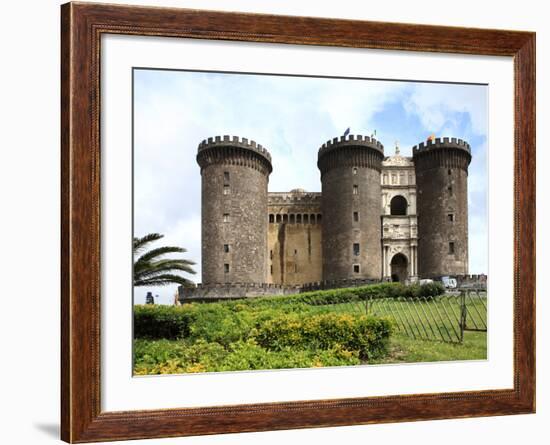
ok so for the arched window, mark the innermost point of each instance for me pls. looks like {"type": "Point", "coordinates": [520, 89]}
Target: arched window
{"type": "Point", "coordinates": [398, 205]}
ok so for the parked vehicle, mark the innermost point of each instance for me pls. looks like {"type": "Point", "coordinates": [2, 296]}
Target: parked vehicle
{"type": "Point", "coordinates": [425, 281]}
{"type": "Point", "coordinates": [449, 283]}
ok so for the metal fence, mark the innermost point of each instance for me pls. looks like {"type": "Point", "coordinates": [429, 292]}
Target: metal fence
{"type": "Point", "coordinates": [444, 318]}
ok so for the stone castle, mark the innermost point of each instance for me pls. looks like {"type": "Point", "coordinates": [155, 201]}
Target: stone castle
{"type": "Point", "coordinates": [377, 218]}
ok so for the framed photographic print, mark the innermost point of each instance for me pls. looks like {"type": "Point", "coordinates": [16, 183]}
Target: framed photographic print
{"type": "Point", "coordinates": [275, 222]}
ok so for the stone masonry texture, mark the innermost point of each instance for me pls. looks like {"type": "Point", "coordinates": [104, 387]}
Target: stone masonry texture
{"type": "Point", "coordinates": [442, 205]}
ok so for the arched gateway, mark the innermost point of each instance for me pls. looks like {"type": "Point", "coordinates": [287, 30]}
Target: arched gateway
{"type": "Point", "coordinates": [399, 268]}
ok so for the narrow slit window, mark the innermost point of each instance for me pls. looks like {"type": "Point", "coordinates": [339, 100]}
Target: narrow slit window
{"type": "Point", "coordinates": [271, 254]}
{"type": "Point", "coordinates": [451, 248]}
{"type": "Point", "coordinates": [226, 217]}
{"type": "Point", "coordinates": [354, 170]}
{"type": "Point", "coordinates": [226, 190]}
{"type": "Point", "coordinates": [451, 217]}
{"type": "Point", "coordinates": [355, 189]}
{"type": "Point", "coordinates": [226, 177]}
{"type": "Point", "coordinates": [226, 268]}
{"type": "Point", "coordinates": [356, 249]}
{"type": "Point", "coordinates": [355, 216]}
{"type": "Point", "coordinates": [226, 248]}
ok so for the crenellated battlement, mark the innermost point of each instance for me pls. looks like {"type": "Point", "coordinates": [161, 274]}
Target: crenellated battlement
{"type": "Point", "coordinates": [441, 143]}
{"type": "Point", "coordinates": [234, 141]}
{"type": "Point", "coordinates": [442, 152]}
{"type": "Point", "coordinates": [351, 140]}
{"type": "Point", "coordinates": [233, 291]}
{"type": "Point", "coordinates": [348, 151]}
{"type": "Point", "coordinates": [292, 197]}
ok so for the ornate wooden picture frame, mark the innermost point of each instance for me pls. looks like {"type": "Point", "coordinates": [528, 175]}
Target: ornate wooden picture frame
{"type": "Point", "coordinates": [82, 26]}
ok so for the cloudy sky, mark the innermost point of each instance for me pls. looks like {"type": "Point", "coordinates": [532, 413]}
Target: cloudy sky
{"type": "Point", "coordinates": [291, 117]}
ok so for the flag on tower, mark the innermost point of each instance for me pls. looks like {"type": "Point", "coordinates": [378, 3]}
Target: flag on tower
{"type": "Point", "coordinates": [346, 132]}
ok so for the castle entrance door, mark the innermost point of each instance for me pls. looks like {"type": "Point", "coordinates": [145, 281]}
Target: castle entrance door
{"type": "Point", "coordinates": [399, 268]}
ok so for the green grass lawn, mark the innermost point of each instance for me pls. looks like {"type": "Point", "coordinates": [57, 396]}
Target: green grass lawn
{"type": "Point", "coordinates": [403, 349]}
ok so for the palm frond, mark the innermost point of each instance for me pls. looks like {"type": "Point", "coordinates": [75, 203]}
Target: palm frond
{"type": "Point", "coordinates": [159, 251]}
{"type": "Point", "coordinates": [152, 270]}
{"type": "Point", "coordinates": [164, 280]}
{"type": "Point", "coordinates": [140, 243]}
{"type": "Point", "coordinates": [149, 269]}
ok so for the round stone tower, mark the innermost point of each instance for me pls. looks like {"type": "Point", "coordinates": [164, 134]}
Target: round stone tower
{"type": "Point", "coordinates": [234, 176]}
{"type": "Point", "coordinates": [441, 167]}
{"type": "Point", "coordinates": [351, 206]}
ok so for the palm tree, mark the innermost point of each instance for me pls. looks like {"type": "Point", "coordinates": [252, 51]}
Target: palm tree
{"type": "Point", "coordinates": [150, 269]}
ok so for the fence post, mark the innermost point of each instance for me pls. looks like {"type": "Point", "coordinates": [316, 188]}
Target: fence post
{"type": "Point", "coordinates": [463, 314]}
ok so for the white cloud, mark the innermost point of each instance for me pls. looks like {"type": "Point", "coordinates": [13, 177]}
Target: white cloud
{"type": "Point", "coordinates": [435, 103]}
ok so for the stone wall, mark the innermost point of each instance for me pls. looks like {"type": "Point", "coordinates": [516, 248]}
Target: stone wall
{"type": "Point", "coordinates": [232, 291]}
{"type": "Point", "coordinates": [294, 237]}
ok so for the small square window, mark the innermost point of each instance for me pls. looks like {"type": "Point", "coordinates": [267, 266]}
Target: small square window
{"type": "Point", "coordinates": [355, 189]}
{"type": "Point", "coordinates": [451, 248]}
{"type": "Point", "coordinates": [226, 177]}
{"type": "Point", "coordinates": [226, 268]}
{"type": "Point", "coordinates": [226, 217]}
{"type": "Point", "coordinates": [226, 190]}
{"type": "Point", "coordinates": [356, 249]}
{"type": "Point", "coordinates": [226, 248]}
{"type": "Point", "coordinates": [450, 217]}
{"type": "Point", "coordinates": [354, 170]}
{"type": "Point", "coordinates": [449, 172]}
{"type": "Point", "coordinates": [355, 216]}
{"type": "Point", "coordinates": [356, 268]}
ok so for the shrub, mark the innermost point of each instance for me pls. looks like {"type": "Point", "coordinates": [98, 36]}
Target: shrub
{"type": "Point", "coordinates": [162, 321]}
{"type": "Point", "coordinates": [217, 323]}
{"type": "Point", "coordinates": [176, 357]}
{"type": "Point", "coordinates": [367, 335]}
